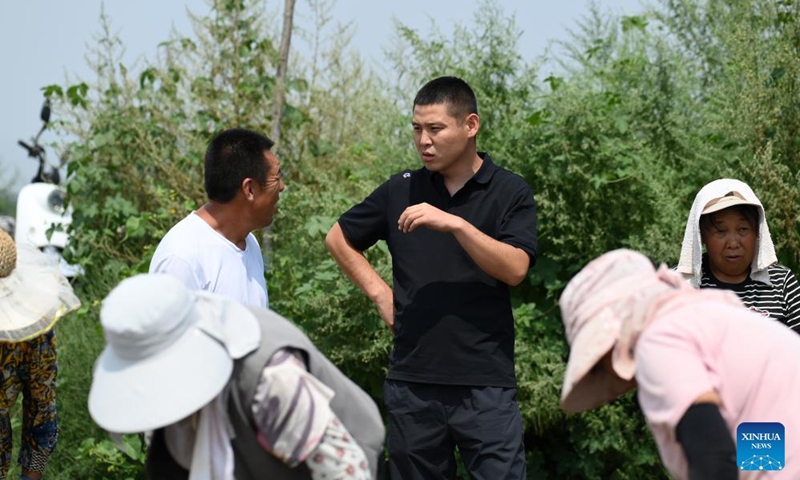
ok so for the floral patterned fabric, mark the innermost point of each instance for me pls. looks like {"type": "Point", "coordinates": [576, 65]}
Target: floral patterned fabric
{"type": "Point", "coordinates": [295, 423]}
{"type": "Point", "coordinates": [337, 456]}
{"type": "Point", "coordinates": [29, 367]}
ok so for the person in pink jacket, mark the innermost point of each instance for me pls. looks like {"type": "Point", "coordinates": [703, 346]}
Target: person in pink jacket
{"type": "Point", "coordinates": [704, 367]}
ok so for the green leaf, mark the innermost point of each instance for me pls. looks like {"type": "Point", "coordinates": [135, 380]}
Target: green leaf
{"type": "Point", "coordinates": [147, 77]}
{"type": "Point", "coordinates": [538, 117]}
{"type": "Point", "coordinates": [637, 22]}
{"type": "Point", "coordinates": [555, 82]}
{"type": "Point", "coordinates": [76, 94]}
{"type": "Point", "coordinates": [622, 124]}
{"type": "Point", "coordinates": [51, 90]}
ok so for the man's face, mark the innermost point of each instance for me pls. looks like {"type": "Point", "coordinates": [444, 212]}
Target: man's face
{"type": "Point", "coordinates": [441, 139]}
{"type": "Point", "coordinates": [266, 202]}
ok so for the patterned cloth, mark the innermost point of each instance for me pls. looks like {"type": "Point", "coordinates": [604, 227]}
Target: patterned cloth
{"type": "Point", "coordinates": [29, 367]}
{"type": "Point", "coordinates": [337, 456]}
{"type": "Point", "coordinates": [295, 422]}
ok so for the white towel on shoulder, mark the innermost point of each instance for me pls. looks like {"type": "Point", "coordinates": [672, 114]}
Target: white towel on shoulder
{"type": "Point", "coordinates": [690, 263]}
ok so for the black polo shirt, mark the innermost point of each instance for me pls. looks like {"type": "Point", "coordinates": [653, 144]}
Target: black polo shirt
{"type": "Point", "coordinates": [453, 322]}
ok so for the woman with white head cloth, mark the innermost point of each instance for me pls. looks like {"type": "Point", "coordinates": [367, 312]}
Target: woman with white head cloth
{"type": "Point", "coordinates": [727, 218]}
{"type": "Point", "coordinates": [703, 365]}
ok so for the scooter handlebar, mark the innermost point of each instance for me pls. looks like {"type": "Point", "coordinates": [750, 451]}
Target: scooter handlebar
{"type": "Point", "coordinates": [34, 151]}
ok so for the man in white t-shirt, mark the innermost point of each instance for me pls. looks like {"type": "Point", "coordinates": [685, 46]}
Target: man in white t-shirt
{"type": "Point", "coordinates": [213, 248]}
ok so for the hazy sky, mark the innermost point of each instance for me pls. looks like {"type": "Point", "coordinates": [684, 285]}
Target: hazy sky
{"type": "Point", "coordinates": [41, 41]}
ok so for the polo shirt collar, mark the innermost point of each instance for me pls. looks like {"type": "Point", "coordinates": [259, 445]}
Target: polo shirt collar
{"type": "Point", "coordinates": [482, 176]}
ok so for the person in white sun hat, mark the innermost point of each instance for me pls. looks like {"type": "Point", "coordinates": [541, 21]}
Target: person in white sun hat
{"type": "Point", "coordinates": [702, 365]}
{"type": "Point", "coordinates": [33, 296]}
{"type": "Point", "coordinates": [231, 392]}
{"type": "Point", "coordinates": [727, 218]}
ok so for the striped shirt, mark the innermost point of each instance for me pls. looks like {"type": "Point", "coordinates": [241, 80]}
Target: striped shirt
{"type": "Point", "coordinates": [780, 301]}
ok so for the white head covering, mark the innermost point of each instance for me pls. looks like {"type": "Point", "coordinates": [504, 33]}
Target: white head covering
{"type": "Point", "coordinates": [690, 263]}
{"type": "Point", "coordinates": [169, 352]}
{"type": "Point", "coordinates": [33, 293]}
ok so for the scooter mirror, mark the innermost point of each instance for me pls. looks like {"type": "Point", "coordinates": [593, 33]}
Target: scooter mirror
{"type": "Point", "coordinates": [45, 115]}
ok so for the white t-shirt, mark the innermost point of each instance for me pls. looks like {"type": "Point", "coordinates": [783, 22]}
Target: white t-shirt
{"type": "Point", "coordinates": [203, 259]}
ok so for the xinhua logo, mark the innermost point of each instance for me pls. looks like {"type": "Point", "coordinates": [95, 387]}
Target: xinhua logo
{"type": "Point", "coordinates": [760, 446]}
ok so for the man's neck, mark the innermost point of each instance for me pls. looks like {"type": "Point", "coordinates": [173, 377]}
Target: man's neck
{"type": "Point", "coordinates": [461, 171]}
{"type": "Point", "coordinates": [224, 219]}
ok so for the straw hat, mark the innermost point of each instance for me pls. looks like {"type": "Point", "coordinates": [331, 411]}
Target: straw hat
{"type": "Point", "coordinates": [33, 293]}
{"type": "Point", "coordinates": [169, 352]}
{"type": "Point", "coordinates": [726, 201]}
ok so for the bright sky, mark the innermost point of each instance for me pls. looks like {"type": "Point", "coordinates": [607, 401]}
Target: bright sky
{"type": "Point", "coordinates": [41, 41]}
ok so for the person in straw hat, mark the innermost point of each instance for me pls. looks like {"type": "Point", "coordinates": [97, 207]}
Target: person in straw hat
{"type": "Point", "coordinates": [727, 218]}
{"type": "Point", "coordinates": [702, 364]}
{"type": "Point", "coordinates": [230, 391]}
{"type": "Point", "coordinates": [33, 296]}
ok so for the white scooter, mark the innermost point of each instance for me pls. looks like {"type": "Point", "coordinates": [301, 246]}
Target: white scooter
{"type": "Point", "coordinates": [42, 219]}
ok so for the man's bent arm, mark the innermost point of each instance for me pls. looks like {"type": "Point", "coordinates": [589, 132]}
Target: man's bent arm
{"type": "Point", "coordinates": [502, 261]}
{"type": "Point", "coordinates": [360, 272]}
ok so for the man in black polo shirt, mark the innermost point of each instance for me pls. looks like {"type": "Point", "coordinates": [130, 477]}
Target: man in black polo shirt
{"type": "Point", "coordinates": [460, 231]}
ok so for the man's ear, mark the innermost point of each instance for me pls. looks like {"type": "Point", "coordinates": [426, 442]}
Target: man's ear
{"type": "Point", "coordinates": [473, 123]}
{"type": "Point", "coordinates": [249, 188]}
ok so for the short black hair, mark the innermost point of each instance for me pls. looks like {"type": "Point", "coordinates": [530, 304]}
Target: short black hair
{"type": "Point", "coordinates": [232, 156]}
{"type": "Point", "coordinates": [453, 92]}
{"type": "Point", "coordinates": [749, 212]}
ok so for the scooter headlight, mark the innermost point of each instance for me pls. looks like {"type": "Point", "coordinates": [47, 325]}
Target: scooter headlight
{"type": "Point", "coordinates": [56, 201]}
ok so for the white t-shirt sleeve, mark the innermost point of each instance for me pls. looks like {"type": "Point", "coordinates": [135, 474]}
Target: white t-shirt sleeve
{"type": "Point", "coordinates": [178, 268]}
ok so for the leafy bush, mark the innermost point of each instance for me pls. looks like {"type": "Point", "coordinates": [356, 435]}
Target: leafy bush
{"type": "Point", "coordinates": [641, 112]}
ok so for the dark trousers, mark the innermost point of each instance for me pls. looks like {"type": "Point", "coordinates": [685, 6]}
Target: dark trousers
{"type": "Point", "coordinates": [427, 421]}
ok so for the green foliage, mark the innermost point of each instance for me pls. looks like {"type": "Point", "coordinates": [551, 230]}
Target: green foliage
{"type": "Point", "coordinates": [135, 170]}
{"type": "Point", "coordinates": [751, 119]}
{"type": "Point", "coordinates": [583, 143]}
{"type": "Point", "coordinates": [79, 341]}
{"type": "Point", "coordinates": [8, 200]}
{"type": "Point", "coordinates": [124, 460]}
{"type": "Point", "coordinates": [635, 116]}
{"type": "Point", "coordinates": [352, 139]}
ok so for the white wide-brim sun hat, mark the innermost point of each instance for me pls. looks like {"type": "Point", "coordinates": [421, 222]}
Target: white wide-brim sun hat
{"type": "Point", "coordinates": [169, 352]}
{"type": "Point", "coordinates": [33, 293]}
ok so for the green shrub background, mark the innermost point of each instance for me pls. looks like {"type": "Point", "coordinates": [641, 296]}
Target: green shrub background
{"type": "Point", "coordinates": [644, 111]}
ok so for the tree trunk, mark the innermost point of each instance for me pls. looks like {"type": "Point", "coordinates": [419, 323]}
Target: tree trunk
{"type": "Point", "coordinates": [280, 77]}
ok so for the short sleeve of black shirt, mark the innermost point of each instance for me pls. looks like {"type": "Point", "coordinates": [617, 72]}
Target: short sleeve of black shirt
{"type": "Point", "coordinates": [364, 224]}
{"type": "Point", "coordinates": [516, 226]}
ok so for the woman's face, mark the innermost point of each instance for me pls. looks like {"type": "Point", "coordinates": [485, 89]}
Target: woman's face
{"type": "Point", "coordinates": [731, 245]}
